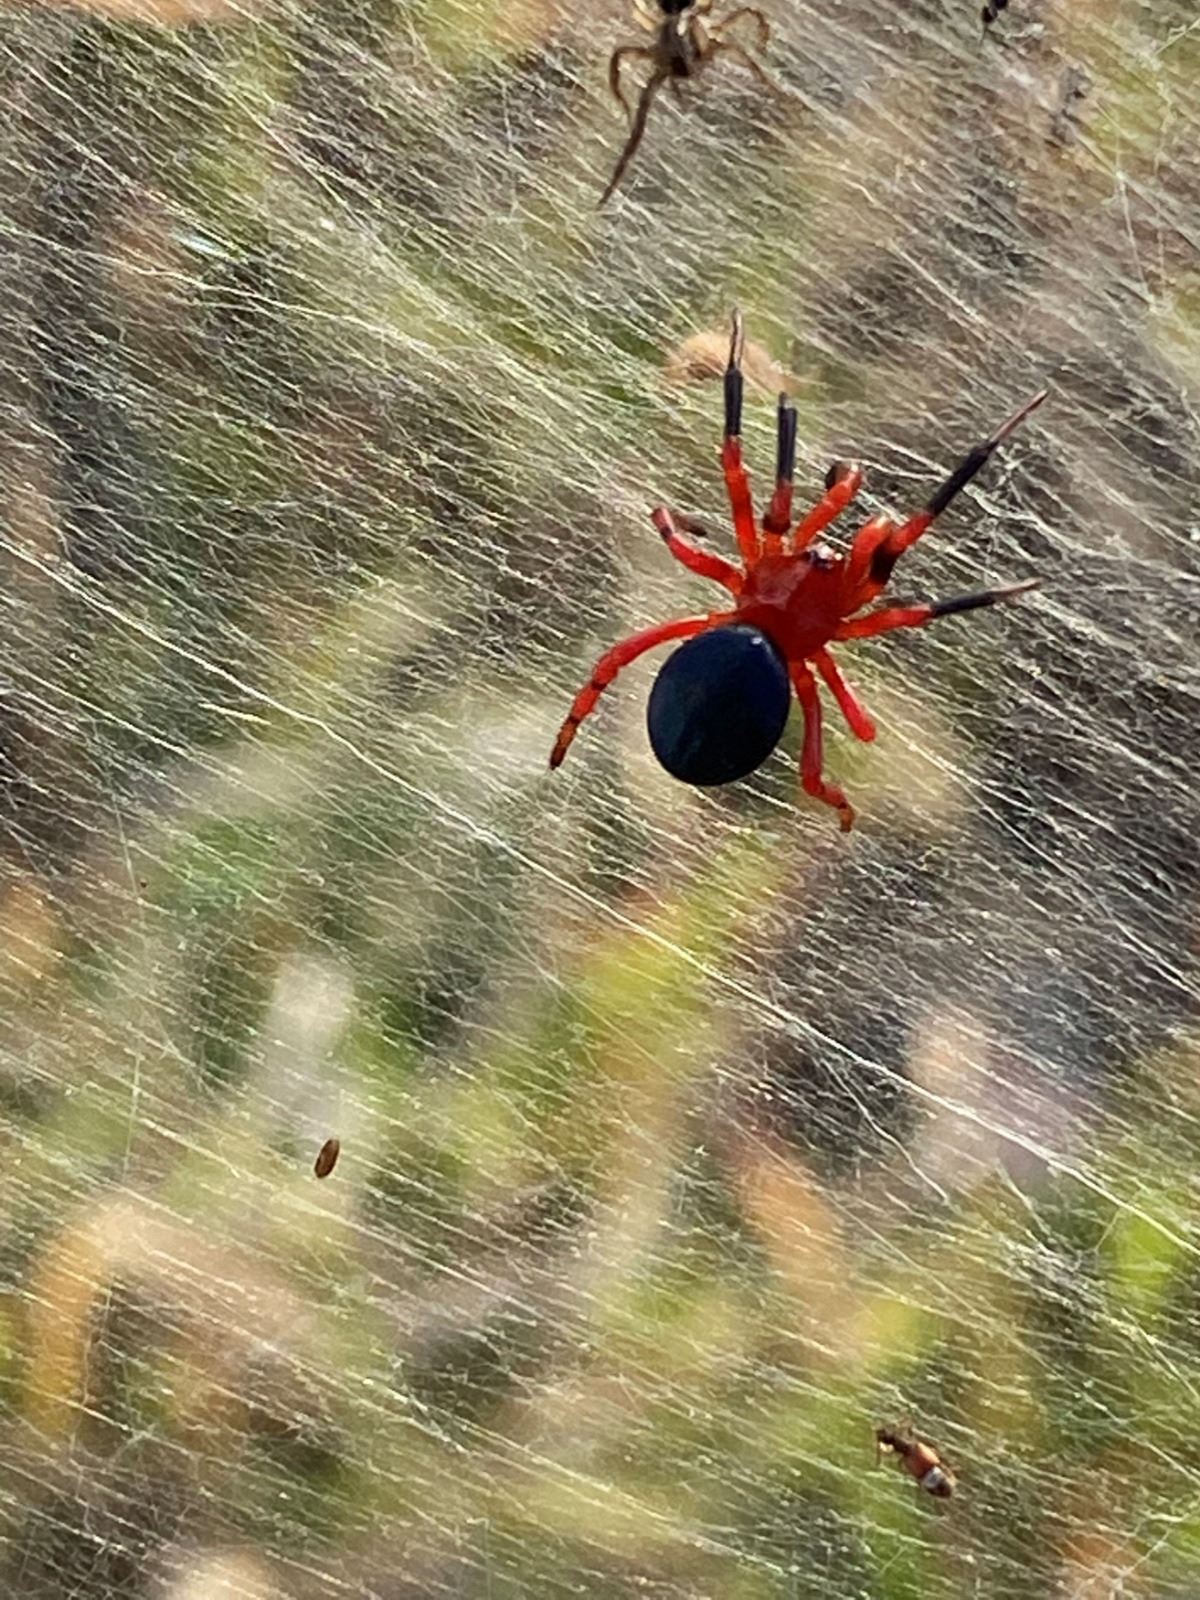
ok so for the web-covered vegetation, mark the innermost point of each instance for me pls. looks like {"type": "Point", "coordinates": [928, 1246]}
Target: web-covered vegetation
{"type": "Point", "coordinates": [683, 1141]}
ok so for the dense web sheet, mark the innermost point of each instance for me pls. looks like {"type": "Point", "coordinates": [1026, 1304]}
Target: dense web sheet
{"type": "Point", "coordinates": [683, 1141]}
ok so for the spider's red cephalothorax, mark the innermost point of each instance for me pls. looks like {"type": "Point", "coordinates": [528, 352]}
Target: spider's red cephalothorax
{"type": "Point", "coordinates": [798, 594]}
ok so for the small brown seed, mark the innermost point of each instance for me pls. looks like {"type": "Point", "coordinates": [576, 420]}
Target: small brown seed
{"type": "Point", "coordinates": [327, 1157]}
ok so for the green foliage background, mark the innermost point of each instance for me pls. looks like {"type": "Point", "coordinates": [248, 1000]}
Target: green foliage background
{"type": "Point", "coordinates": [682, 1141]}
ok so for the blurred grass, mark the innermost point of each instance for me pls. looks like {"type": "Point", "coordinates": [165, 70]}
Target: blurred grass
{"type": "Point", "coordinates": [582, 1309]}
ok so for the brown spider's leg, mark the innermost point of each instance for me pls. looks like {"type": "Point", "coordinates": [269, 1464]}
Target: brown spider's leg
{"type": "Point", "coordinates": [736, 480]}
{"type": "Point", "coordinates": [893, 617]}
{"type": "Point", "coordinates": [635, 136]}
{"type": "Point", "coordinates": [889, 551]}
{"type": "Point", "coordinates": [778, 518]}
{"type": "Point", "coordinates": [852, 708]}
{"type": "Point", "coordinates": [842, 483]}
{"type": "Point", "coordinates": [704, 562]}
{"type": "Point", "coordinates": [812, 755]}
{"type": "Point", "coordinates": [719, 46]}
{"type": "Point", "coordinates": [764, 27]}
{"type": "Point", "coordinates": [627, 52]}
{"type": "Point", "coordinates": [612, 661]}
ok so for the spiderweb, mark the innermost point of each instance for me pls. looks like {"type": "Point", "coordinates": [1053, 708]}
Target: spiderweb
{"type": "Point", "coordinates": [683, 1141]}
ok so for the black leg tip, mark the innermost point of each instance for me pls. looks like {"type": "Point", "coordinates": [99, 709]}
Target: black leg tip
{"type": "Point", "coordinates": [734, 391]}
{"type": "Point", "coordinates": [785, 464]}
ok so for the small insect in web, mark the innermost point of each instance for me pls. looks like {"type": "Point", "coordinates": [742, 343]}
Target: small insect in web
{"type": "Point", "coordinates": [1073, 89]}
{"type": "Point", "coordinates": [327, 1157]}
{"type": "Point", "coordinates": [683, 46]}
{"type": "Point", "coordinates": [991, 12]}
{"type": "Point", "coordinates": [920, 1460]}
{"type": "Point", "coordinates": [720, 703]}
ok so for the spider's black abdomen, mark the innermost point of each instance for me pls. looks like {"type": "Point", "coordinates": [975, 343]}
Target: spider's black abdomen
{"type": "Point", "coordinates": [719, 706]}
{"type": "Point", "coordinates": [675, 8]}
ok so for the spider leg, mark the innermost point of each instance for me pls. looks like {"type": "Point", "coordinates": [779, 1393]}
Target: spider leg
{"type": "Point", "coordinates": [627, 52]}
{"type": "Point", "coordinates": [612, 662]}
{"type": "Point", "coordinates": [778, 518]}
{"type": "Point", "coordinates": [736, 480]}
{"type": "Point", "coordinates": [646, 16]}
{"type": "Point", "coordinates": [691, 525]}
{"type": "Point", "coordinates": [842, 483]}
{"type": "Point", "coordinates": [889, 551]}
{"type": "Point", "coordinates": [812, 755]}
{"type": "Point", "coordinates": [764, 27]}
{"type": "Point", "coordinates": [852, 708]}
{"type": "Point", "coordinates": [892, 617]}
{"type": "Point", "coordinates": [719, 46]}
{"type": "Point", "coordinates": [704, 562]}
{"type": "Point", "coordinates": [635, 134]}
{"type": "Point", "coordinates": [859, 580]}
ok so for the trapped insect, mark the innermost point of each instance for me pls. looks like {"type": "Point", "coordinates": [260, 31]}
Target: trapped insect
{"type": "Point", "coordinates": [920, 1460]}
{"type": "Point", "coordinates": [1073, 89]}
{"type": "Point", "coordinates": [720, 703]}
{"type": "Point", "coordinates": [991, 12]}
{"type": "Point", "coordinates": [683, 46]}
{"type": "Point", "coordinates": [327, 1157]}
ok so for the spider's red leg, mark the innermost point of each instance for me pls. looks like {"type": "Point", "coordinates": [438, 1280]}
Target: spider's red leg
{"type": "Point", "coordinates": [697, 560]}
{"type": "Point", "coordinates": [893, 617]}
{"type": "Point", "coordinates": [852, 708]}
{"type": "Point", "coordinates": [812, 755]}
{"type": "Point", "coordinates": [779, 513]}
{"type": "Point", "coordinates": [612, 661]}
{"type": "Point", "coordinates": [893, 547]}
{"type": "Point", "coordinates": [842, 483]}
{"type": "Point", "coordinates": [692, 525]}
{"type": "Point", "coordinates": [858, 587]}
{"type": "Point", "coordinates": [731, 451]}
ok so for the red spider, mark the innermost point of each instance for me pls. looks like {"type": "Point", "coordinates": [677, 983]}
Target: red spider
{"type": "Point", "coordinates": [793, 598]}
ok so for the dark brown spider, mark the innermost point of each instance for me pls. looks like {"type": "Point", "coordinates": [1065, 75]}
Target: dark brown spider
{"type": "Point", "coordinates": [683, 46]}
